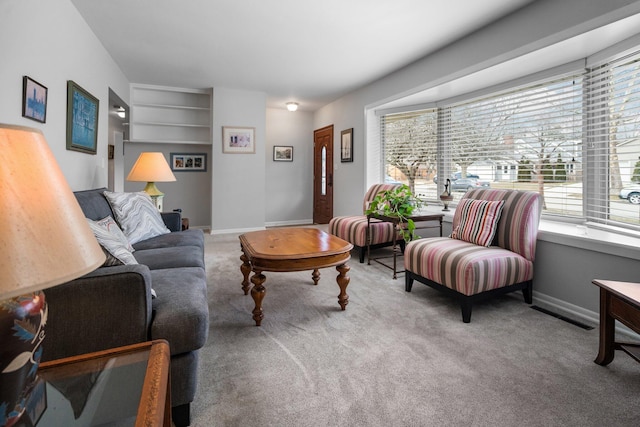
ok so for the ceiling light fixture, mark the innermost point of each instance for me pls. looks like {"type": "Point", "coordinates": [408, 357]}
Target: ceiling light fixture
{"type": "Point", "coordinates": [292, 106]}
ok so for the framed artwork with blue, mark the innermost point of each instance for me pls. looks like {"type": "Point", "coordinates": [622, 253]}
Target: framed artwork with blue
{"type": "Point", "coordinates": [34, 100]}
{"type": "Point", "coordinates": [82, 119]}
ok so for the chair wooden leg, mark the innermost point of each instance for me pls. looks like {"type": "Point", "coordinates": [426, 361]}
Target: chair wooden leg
{"type": "Point", "coordinates": [361, 251]}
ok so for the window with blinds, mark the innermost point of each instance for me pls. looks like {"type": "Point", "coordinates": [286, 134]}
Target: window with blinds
{"type": "Point", "coordinates": [528, 138]}
{"type": "Point", "coordinates": [613, 142]}
{"type": "Point", "coordinates": [574, 139]}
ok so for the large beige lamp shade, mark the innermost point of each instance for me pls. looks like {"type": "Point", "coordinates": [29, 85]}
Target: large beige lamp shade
{"type": "Point", "coordinates": [44, 241]}
{"type": "Point", "coordinates": [152, 167]}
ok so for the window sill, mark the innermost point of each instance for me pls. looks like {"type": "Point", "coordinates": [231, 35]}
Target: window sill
{"type": "Point", "coordinates": [589, 238]}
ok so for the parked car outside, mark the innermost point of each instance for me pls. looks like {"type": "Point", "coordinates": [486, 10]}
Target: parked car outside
{"type": "Point", "coordinates": [457, 175]}
{"type": "Point", "coordinates": [631, 193]}
{"type": "Point", "coordinates": [465, 184]}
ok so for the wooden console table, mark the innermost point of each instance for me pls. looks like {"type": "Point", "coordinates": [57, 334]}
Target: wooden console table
{"type": "Point", "coordinates": [397, 223]}
{"type": "Point", "coordinates": [618, 301]}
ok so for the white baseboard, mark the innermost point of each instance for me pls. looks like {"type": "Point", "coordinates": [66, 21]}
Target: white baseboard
{"type": "Point", "coordinates": [289, 223]}
{"type": "Point", "coordinates": [235, 230]}
{"type": "Point", "coordinates": [268, 224]}
{"type": "Point", "coordinates": [577, 313]}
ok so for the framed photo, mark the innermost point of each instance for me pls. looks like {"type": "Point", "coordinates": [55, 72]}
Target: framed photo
{"type": "Point", "coordinates": [34, 100]}
{"type": "Point", "coordinates": [346, 146]}
{"type": "Point", "coordinates": [239, 140]}
{"type": "Point", "coordinates": [189, 162]}
{"type": "Point", "coordinates": [282, 153]}
{"type": "Point", "coordinates": [82, 119]}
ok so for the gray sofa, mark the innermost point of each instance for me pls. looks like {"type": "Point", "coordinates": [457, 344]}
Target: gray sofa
{"type": "Point", "coordinates": [113, 306]}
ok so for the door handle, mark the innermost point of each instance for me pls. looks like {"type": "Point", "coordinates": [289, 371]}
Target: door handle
{"type": "Point", "coordinates": [330, 182]}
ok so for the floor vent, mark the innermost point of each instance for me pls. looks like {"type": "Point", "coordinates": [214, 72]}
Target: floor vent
{"type": "Point", "coordinates": [566, 319]}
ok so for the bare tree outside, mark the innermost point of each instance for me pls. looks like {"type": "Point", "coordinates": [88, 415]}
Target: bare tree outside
{"type": "Point", "coordinates": [410, 143]}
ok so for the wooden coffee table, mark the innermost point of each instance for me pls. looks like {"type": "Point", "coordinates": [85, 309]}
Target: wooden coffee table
{"type": "Point", "coordinates": [291, 249]}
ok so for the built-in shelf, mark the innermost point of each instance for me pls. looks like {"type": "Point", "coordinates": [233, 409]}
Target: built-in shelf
{"type": "Point", "coordinates": [161, 114]}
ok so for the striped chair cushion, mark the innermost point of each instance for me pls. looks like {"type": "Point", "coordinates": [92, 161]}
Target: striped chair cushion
{"type": "Point", "coordinates": [353, 229]}
{"type": "Point", "coordinates": [466, 267]}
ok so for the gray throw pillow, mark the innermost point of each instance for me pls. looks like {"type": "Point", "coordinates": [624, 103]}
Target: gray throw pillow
{"type": "Point", "coordinates": [138, 217]}
{"type": "Point", "coordinates": [113, 242]}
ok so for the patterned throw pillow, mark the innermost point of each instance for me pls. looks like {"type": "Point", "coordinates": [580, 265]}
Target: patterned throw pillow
{"type": "Point", "coordinates": [478, 220]}
{"type": "Point", "coordinates": [112, 226]}
{"type": "Point", "coordinates": [138, 217]}
{"type": "Point", "coordinates": [113, 242]}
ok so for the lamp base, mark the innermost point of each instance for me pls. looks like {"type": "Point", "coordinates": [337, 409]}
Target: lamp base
{"type": "Point", "coordinates": [156, 195]}
{"type": "Point", "coordinates": [22, 321]}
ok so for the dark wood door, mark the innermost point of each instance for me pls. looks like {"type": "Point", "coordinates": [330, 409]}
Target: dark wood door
{"type": "Point", "coordinates": [323, 175]}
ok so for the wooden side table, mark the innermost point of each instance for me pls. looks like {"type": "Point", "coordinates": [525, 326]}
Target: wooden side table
{"type": "Point", "coordinates": [397, 223]}
{"type": "Point", "coordinates": [126, 385]}
{"type": "Point", "coordinates": [618, 301]}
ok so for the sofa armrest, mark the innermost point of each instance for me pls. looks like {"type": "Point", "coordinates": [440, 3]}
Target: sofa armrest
{"type": "Point", "coordinates": [173, 220]}
{"type": "Point", "coordinates": [109, 307]}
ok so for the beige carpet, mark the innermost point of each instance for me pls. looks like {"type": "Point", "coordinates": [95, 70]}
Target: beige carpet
{"type": "Point", "coordinates": [395, 358]}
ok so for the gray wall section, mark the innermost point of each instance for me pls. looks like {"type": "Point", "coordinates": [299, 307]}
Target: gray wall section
{"type": "Point", "coordinates": [191, 191]}
{"type": "Point", "coordinates": [565, 273]}
{"type": "Point", "coordinates": [239, 181]}
{"type": "Point", "coordinates": [289, 185]}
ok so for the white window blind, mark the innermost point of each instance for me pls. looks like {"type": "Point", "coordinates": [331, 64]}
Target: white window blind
{"type": "Point", "coordinates": [528, 138]}
{"type": "Point", "coordinates": [613, 142]}
{"type": "Point", "coordinates": [409, 149]}
{"type": "Point", "coordinates": [573, 138]}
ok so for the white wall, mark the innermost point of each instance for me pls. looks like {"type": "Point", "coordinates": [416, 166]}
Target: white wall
{"type": "Point", "coordinates": [289, 185]}
{"type": "Point", "coordinates": [239, 188]}
{"type": "Point", "coordinates": [51, 43]}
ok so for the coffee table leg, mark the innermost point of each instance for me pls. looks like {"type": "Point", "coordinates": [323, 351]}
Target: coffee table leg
{"type": "Point", "coordinates": [343, 282]}
{"type": "Point", "coordinates": [246, 269]}
{"type": "Point", "coordinates": [315, 276]}
{"type": "Point", "coordinates": [257, 293]}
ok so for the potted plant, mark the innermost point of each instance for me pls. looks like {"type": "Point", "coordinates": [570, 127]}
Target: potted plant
{"type": "Point", "coordinates": [400, 203]}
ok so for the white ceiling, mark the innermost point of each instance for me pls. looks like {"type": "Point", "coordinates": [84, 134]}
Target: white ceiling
{"type": "Point", "coordinates": [307, 51]}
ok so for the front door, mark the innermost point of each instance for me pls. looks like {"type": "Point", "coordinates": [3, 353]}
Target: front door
{"type": "Point", "coordinates": [323, 175]}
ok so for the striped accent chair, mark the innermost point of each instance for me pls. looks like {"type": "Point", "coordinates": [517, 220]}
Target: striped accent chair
{"type": "Point", "coordinates": [471, 272]}
{"type": "Point", "coordinates": [353, 229]}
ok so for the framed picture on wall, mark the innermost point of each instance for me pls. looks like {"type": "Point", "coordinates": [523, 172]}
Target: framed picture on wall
{"type": "Point", "coordinates": [34, 100]}
{"type": "Point", "coordinates": [188, 162]}
{"type": "Point", "coordinates": [282, 153]}
{"type": "Point", "coordinates": [238, 140]}
{"type": "Point", "coordinates": [82, 119]}
{"type": "Point", "coordinates": [346, 146]}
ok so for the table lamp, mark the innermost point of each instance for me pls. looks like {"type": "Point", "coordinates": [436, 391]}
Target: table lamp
{"type": "Point", "coordinates": [44, 241]}
{"type": "Point", "coordinates": [152, 168]}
